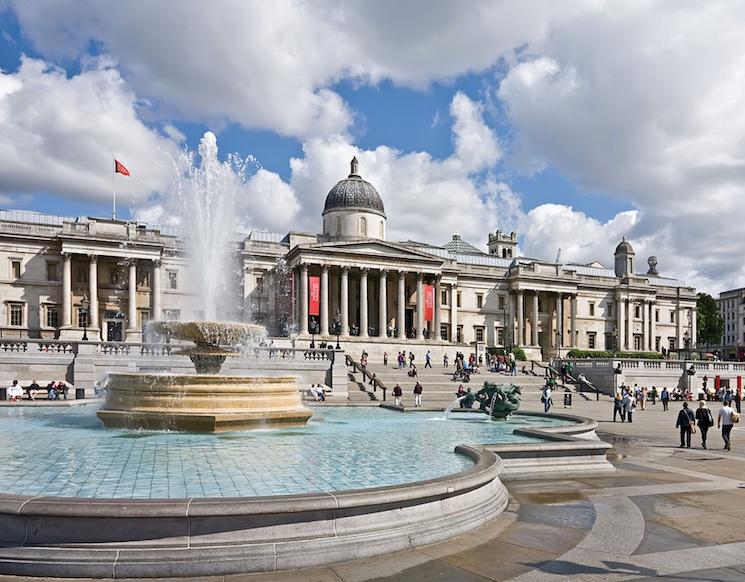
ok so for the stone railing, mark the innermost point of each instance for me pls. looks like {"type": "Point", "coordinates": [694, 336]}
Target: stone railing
{"type": "Point", "coordinates": [662, 365]}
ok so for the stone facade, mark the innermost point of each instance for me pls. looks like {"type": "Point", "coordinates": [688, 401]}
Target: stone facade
{"type": "Point", "coordinates": [732, 308]}
{"type": "Point", "coordinates": [372, 290]}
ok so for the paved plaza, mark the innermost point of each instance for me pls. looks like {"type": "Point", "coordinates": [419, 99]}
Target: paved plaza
{"type": "Point", "coordinates": [667, 513]}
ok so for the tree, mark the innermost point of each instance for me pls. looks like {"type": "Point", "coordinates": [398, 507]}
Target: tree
{"type": "Point", "coordinates": [710, 322]}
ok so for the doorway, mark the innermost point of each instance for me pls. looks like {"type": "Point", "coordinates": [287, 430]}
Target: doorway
{"type": "Point", "coordinates": [114, 326]}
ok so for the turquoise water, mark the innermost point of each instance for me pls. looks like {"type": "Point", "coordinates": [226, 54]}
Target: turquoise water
{"type": "Point", "coordinates": [67, 452]}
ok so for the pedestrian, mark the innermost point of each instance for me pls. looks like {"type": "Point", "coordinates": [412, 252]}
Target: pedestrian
{"type": "Point", "coordinates": [427, 360]}
{"type": "Point", "coordinates": [704, 420]}
{"type": "Point", "coordinates": [643, 399]}
{"type": "Point", "coordinates": [445, 360]}
{"type": "Point", "coordinates": [653, 395]}
{"type": "Point", "coordinates": [546, 399]}
{"type": "Point", "coordinates": [411, 359]}
{"type": "Point", "coordinates": [418, 394]}
{"type": "Point", "coordinates": [725, 420]}
{"type": "Point", "coordinates": [618, 406]}
{"type": "Point", "coordinates": [385, 358]}
{"type": "Point", "coordinates": [397, 394]}
{"type": "Point", "coordinates": [705, 380]}
{"type": "Point", "coordinates": [736, 397]}
{"type": "Point", "coordinates": [686, 422]}
{"type": "Point", "coordinates": [629, 405]}
{"type": "Point", "coordinates": [665, 398]}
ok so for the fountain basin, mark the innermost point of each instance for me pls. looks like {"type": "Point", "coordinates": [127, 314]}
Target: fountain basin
{"type": "Point", "coordinates": [202, 403]}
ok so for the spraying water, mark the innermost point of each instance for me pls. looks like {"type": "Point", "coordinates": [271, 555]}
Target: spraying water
{"type": "Point", "coordinates": [209, 195]}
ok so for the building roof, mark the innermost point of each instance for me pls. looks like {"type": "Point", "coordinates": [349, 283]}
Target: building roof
{"type": "Point", "coordinates": [354, 193]}
{"type": "Point", "coordinates": [460, 247]}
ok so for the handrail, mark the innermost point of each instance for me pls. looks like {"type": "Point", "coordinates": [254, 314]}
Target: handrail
{"type": "Point", "coordinates": [367, 376]}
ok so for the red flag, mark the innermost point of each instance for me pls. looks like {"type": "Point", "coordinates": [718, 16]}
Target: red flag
{"type": "Point", "coordinates": [429, 302]}
{"type": "Point", "coordinates": [120, 169]}
{"type": "Point", "coordinates": [314, 296]}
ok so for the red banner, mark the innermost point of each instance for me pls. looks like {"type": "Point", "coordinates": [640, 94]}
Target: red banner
{"type": "Point", "coordinates": [429, 302]}
{"type": "Point", "coordinates": [314, 296]}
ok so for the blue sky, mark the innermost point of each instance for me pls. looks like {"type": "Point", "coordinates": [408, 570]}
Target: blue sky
{"type": "Point", "coordinates": [574, 124]}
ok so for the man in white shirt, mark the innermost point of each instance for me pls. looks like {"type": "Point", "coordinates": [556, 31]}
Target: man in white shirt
{"type": "Point", "coordinates": [725, 421]}
{"type": "Point", "coordinates": [14, 392]}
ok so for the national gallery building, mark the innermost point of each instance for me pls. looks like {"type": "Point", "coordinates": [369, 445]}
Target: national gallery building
{"type": "Point", "coordinates": [62, 276]}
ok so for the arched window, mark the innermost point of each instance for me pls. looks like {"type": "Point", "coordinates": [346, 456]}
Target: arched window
{"type": "Point", "coordinates": [338, 225]}
{"type": "Point", "coordinates": [363, 226]}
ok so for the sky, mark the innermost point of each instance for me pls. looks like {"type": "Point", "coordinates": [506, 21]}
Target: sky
{"type": "Point", "coordinates": [573, 123]}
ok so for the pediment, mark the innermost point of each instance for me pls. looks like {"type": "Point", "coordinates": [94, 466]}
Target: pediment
{"type": "Point", "coordinates": [373, 248]}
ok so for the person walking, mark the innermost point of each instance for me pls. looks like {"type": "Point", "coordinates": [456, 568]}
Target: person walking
{"type": "Point", "coordinates": [445, 361]}
{"type": "Point", "coordinates": [397, 394]}
{"type": "Point", "coordinates": [725, 420]}
{"type": "Point", "coordinates": [385, 359]}
{"type": "Point", "coordinates": [685, 422]}
{"type": "Point", "coordinates": [704, 420]}
{"type": "Point", "coordinates": [629, 405]}
{"type": "Point", "coordinates": [411, 359]}
{"type": "Point", "coordinates": [618, 406]}
{"type": "Point", "coordinates": [736, 397]}
{"type": "Point", "coordinates": [546, 399]}
{"type": "Point", "coordinates": [417, 394]}
{"type": "Point", "coordinates": [643, 399]}
{"type": "Point", "coordinates": [427, 360]}
{"type": "Point", "coordinates": [665, 398]}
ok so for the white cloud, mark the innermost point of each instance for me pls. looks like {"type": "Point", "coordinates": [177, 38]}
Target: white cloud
{"type": "Point", "coordinates": [58, 134]}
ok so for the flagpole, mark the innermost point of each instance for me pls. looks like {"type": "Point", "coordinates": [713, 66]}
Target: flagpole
{"type": "Point", "coordinates": [113, 187]}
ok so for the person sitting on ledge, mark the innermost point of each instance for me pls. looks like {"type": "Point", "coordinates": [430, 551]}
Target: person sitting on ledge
{"type": "Point", "coordinates": [52, 390]}
{"type": "Point", "coordinates": [14, 391]}
{"type": "Point", "coordinates": [31, 390]}
{"type": "Point", "coordinates": [62, 388]}
{"type": "Point", "coordinates": [412, 371]}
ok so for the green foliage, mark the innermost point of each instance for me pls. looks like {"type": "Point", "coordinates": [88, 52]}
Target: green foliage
{"type": "Point", "coordinates": [580, 354]}
{"type": "Point", "coordinates": [519, 354]}
{"type": "Point", "coordinates": [710, 323]}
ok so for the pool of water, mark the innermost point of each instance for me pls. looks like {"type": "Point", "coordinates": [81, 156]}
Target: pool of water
{"type": "Point", "coordinates": [67, 452]}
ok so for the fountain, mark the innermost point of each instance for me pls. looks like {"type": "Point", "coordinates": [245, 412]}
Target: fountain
{"type": "Point", "coordinates": [207, 195]}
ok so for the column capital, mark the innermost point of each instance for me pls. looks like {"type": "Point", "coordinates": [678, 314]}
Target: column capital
{"type": "Point", "coordinates": [157, 262]}
{"type": "Point", "coordinates": [419, 276]}
{"type": "Point", "coordinates": [365, 270]}
{"type": "Point", "coordinates": [345, 268]}
{"type": "Point", "coordinates": [383, 272]}
{"type": "Point", "coordinates": [67, 256]}
{"type": "Point", "coordinates": [93, 257]}
{"type": "Point", "coordinates": [325, 268]}
{"type": "Point", "coordinates": [304, 267]}
{"type": "Point", "coordinates": [402, 274]}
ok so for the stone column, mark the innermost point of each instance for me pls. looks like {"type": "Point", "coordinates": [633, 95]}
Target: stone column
{"type": "Point", "coordinates": [574, 342]}
{"type": "Point", "coordinates": [560, 320]}
{"type": "Point", "coordinates": [520, 320]}
{"type": "Point", "coordinates": [345, 301]}
{"type": "Point", "coordinates": [132, 331]}
{"type": "Point", "coordinates": [693, 332]}
{"type": "Point", "coordinates": [534, 322]}
{"type": "Point", "coordinates": [67, 290]}
{"type": "Point", "coordinates": [93, 291]}
{"type": "Point", "coordinates": [420, 306]}
{"type": "Point", "coordinates": [303, 300]}
{"type": "Point", "coordinates": [155, 290]}
{"type": "Point", "coordinates": [652, 328]}
{"type": "Point", "coordinates": [453, 312]}
{"type": "Point", "coordinates": [383, 307]}
{"type": "Point", "coordinates": [325, 300]}
{"type": "Point", "coordinates": [438, 308]}
{"type": "Point", "coordinates": [679, 326]}
{"type": "Point", "coordinates": [363, 303]}
{"type": "Point", "coordinates": [401, 317]}
{"type": "Point", "coordinates": [629, 325]}
{"type": "Point", "coordinates": [645, 331]}
{"type": "Point", "coordinates": [620, 323]}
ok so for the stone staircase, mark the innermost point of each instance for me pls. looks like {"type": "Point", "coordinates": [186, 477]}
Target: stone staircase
{"type": "Point", "coordinates": [438, 388]}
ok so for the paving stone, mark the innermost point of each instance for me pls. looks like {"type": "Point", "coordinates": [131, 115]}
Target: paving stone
{"type": "Point", "coordinates": [711, 575]}
{"type": "Point", "coordinates": [498, 560]}
{"type": "Point", "coordinates": [579, 515]}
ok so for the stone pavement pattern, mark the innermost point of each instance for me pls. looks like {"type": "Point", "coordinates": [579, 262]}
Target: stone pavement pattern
{"type": "Point", "coordinates": [660, 516]}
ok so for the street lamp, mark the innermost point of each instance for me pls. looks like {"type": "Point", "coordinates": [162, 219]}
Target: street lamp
{"type": "Point", "coordinates": [313, 331]}
{"type": "Point", "coordinates": [337, 329]}
{"type": "Point", "coordinates": [85, 305]}
{"type": "Point", "coordinates": [614, 333]}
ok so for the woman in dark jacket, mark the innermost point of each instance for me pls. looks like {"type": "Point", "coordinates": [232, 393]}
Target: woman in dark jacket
{"type": "Point", "coordinates": [704, 420]}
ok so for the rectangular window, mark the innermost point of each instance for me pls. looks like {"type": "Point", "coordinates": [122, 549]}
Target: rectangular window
{"type": "Point", "coordinates": [52, 271]}
{"type": "Point", "coordinates": [259, 285]}
{"type": "Point", "coordinates": [592, 309]}
{"type": "Point", "coordinates": [479, 301]}
{"type": "Point", "coordinates": [671, 343]}
{"type": "Point", "coordinates": [172, 279]}
{"type": "Point", "coordinates": [657, 341]}
{"type": "Point", "coordinates": [672, 317]}
{"type": "Point", "coordinates": [657, 315]}
{"type": "Point", "coordinates": [479, 334]}
{"type": "Point", "coordinates": [502, 303]}
{"type": "Point", "coordinates": [444, 331]}
{"type": "Point", "coordinates": [114, 274]}
{"type": "Point", "coordinates": [52, 316]}
{"type": "Point", "coordinates": [144, 316]}
{"type": "Point", "coordinates": [172, 314]}
{"type": "Point", "coordinates": [458, 302]}
{"type": "Point", "coordinates": [15, 269]}
{"type": "Point", "coordinates": [637, 311]}
{"type": "Point", "coordinates": [15, 314]}
{"type": "Point", "coordinates": [500, 336]}
{"type": "Point", "coordinates": [444, 297]}
{"type": "Point", "coordinates": [81, 274]}
{"type": "Point", "coordinates": [459, 333]}
{"type": "Point", "coordinates": [610, 310]}
{"type": "Point", "coordinates": [143, 278]}
{"type": "Point", "coordinates": [610, 343]}
{"type": "Point", "coordinates": [637, 342]}
{"type": "Point", "coordinates": [591, 339]}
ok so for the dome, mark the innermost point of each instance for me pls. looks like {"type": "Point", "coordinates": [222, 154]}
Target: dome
{"type": "Point", "coordinates": [354, 193]}
{"type": "Point", "coordinates": [624, 247]}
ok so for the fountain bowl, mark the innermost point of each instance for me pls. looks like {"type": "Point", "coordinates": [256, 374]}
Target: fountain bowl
{"type": "Point", "coordinates": [202, 403]}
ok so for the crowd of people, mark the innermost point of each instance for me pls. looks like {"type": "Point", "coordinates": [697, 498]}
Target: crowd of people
{"type": "Point", "coordinates": [54, 390]}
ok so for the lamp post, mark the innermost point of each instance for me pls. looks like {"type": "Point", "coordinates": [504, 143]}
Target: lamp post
{"type": "Point", "coordinates": [337, 328]}
{"type": "Point", "coordinates": [314, 328]}
{"type": "Point", "coordinates": [85, 305]}
{"type": "Point", "coordinates": [614, 333]}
